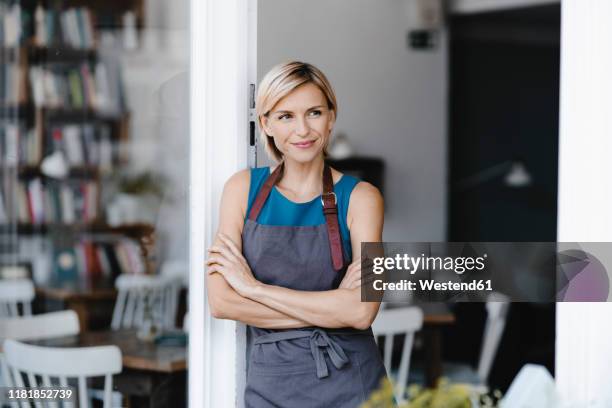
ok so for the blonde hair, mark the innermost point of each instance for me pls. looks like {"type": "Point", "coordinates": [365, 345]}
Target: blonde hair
{"type": "Point", "coordinates": [280, 81]}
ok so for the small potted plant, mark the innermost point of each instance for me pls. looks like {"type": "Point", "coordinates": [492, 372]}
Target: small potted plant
{"type": "Point", "coordinates": [444, 395]}
{"type": "Point", "coordinates": [135, 198]}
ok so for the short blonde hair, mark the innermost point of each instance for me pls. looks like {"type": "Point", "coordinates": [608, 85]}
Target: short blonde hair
{"type": "Point", "coordinates": [280, 81]}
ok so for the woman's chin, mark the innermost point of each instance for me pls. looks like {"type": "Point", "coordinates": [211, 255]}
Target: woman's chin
{"type": "Point", "coordinates": [304, 157]}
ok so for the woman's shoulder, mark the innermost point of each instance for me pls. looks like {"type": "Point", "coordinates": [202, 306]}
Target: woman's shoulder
{"type": "Point", "coordinates": [242, 179]}
{"type": "Point", "coordinates": [238, 180]}
{"type": "Point", "coordinates": [365, 198]}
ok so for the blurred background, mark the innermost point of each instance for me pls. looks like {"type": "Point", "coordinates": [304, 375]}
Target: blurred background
{"type": "Point", "coordinates": [94, 159]}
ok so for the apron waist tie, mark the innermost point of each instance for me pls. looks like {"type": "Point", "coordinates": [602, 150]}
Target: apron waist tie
{"type": "Point", "coordinates": [320, 341]}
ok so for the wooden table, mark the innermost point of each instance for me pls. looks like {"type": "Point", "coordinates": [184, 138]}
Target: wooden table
{"type": "Point", "coordinates": [91, 304]}
{"type": "Point", "coordinates": [152, 376]}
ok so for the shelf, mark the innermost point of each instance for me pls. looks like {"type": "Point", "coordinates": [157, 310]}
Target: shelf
{"type": "Point", "coordinates": [59, 53]}
{"type": "Point", "coordinates": [21, 111]}
{"type": "Point", "coordinates": [74, 172]}
{"type": "Point", "coordinates": [27, 110]}
{"type": "Point", "coordinates": [78, 114]}
{"type": "Point", "coordinates": [132, 230]}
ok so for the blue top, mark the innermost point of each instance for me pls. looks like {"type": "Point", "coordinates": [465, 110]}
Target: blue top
{"type": "Point", "coordinates": [279, 210]}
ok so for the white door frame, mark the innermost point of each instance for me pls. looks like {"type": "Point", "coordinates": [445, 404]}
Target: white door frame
{"type": "Point", "coordinates": [584, 330]}
{"type": "Point", "coordinates": [221, 69]}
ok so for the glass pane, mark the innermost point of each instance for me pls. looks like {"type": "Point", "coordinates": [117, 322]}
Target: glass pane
{"type": "Point", "coordinates": [93, 189]}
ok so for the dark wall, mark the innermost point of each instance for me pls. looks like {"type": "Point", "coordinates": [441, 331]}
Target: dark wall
{"type": "Point", "coordinates": [504, 106]}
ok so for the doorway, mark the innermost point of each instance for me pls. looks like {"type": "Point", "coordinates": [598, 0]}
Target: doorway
{"type": "Point", "coordinates": [502, 162]}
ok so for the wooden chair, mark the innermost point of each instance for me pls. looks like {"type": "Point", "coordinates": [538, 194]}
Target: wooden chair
{"type": "Point", "coordinates": [61, 366]}
{"type": "Point", "coordinates": [392, 322]}
{"type": "Point", "coordinates": [12, 293]}
{"type": "Point", "coordinates": [136, 293]}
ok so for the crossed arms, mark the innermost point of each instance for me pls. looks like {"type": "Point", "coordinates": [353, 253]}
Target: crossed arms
{"type": "Point", "coordinates": [235, 294]}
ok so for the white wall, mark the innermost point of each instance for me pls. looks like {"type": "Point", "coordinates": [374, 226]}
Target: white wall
{"type": "Point", "coordinates": [392, 99]}
{"type": "Point", "coordinates": [584, 330]}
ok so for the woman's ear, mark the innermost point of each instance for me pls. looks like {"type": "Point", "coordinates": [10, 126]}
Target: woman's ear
{"type": "Point", "coordinates": [332, 120]}
{"type": "Point", "coordinates": [265, 124]}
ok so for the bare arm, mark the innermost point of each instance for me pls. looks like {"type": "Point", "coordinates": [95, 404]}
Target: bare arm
{"type": "Point", "coordinates": [334, 308]}
{"type": "Point", "coordinates": [224, 301]}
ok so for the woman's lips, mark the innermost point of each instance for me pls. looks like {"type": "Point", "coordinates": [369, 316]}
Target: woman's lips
{"type": "Point", "coordinates": [304, 145]}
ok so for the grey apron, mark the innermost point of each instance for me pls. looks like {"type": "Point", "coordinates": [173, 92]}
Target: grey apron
{"type": "Point", "coordinates": [309, 367]}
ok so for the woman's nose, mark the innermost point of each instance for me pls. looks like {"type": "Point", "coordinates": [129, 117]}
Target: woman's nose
{"type": "Point", "coordinates": [302, 128]}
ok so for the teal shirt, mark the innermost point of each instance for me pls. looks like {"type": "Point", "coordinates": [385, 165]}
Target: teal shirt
{"type": "Point", "coordinates": [279, 210]}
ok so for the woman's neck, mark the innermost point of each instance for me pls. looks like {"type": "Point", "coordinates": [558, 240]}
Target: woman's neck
{"type": "Point", "coordinates": [302, 179]}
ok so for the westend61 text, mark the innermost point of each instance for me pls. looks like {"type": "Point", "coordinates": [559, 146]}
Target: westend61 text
{"type": "Point", "coordinates": [430, 284]}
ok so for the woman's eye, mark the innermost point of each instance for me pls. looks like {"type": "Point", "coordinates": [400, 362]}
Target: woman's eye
{"type": "Point", "coordinates": [285, 116]}
{"type": "Point", "coordinates": [315, 113]}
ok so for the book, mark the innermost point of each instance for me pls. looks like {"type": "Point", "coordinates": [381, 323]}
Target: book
{"type": "Point", "coordinates": [4, 218]}
{"type": "Point", "coordinates": [65, 266]}
{"type": "Point", "coordinates": [72, 144]}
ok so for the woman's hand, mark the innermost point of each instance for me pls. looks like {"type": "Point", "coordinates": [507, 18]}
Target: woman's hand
{"type": "Point", "coordinates": [352, 278]}
{"type": "Point", "coordinates": [225, 258]}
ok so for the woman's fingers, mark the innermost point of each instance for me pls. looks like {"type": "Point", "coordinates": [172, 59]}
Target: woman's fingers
{"type": "Point", "coordinates": [233, 248]}
{"type": "Point", "coordinates": [359, 274]}
{"type": "Point", "coordinates": [230, 244]}
{"type": "Point", "coordinates": [224, 251]}
{"type": "Point", "coordinates": [215, 268]}
{"type": "Point", "coordinates": [215, 259]}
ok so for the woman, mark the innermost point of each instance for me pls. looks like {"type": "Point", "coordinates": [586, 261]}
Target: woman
{"type": "Point", "coordinates": [280, 263]}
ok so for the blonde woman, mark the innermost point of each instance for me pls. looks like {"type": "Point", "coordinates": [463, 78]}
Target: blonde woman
{"type": "Point", "coordinates": [286, 260]}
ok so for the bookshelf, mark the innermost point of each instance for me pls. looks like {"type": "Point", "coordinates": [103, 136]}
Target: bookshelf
{"type": "Point", "coordinates": [63, 127]}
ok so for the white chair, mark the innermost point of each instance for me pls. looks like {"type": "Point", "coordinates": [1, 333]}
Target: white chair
{"type": "Point", "coordinates": [497, 311]}
{"type": "Point", "coordinates": [60, 366]}
{"type": "Point", "coordinates": [41, 326]}
{"type": "Point", "coordinates": [186, 323]}
{"type": "Point", "coordinates": [12, 293]}
{"type": "Point", "coordinates": [136, 293]}
{"type": "Point", "coordinates": [392, 322]}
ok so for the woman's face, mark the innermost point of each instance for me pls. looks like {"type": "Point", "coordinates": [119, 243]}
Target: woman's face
{"type": "Point", "coordinates": [300, 123]}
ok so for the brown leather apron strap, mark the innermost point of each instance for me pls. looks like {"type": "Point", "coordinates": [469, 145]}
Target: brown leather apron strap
{"type": "Point", "coordinates": [264, 192]}
{"type": "Point", "coordinates": [330, 209]}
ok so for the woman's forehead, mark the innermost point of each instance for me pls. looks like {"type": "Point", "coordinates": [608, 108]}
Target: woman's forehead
{"type": "Point", "coordinates": [301, 98]}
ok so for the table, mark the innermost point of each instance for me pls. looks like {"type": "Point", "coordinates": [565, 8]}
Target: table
{"type": "Point", "coordinates": [91, 304]}
{"type": "Point", "coordinates": [152, 376]}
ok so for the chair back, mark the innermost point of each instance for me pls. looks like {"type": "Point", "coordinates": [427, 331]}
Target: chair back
{"type": "Point", "coordinates": [497, 311]}
{"type": "Point", "coordinates": [392, 322]}
{"type": "Point", "coordinates": [50, 366]}
{"type": "Point", "coordinates": [14, 292]}
{"type": "Point", "coordinates": [41, 326]}
{"type": "Point", "coordinates": [186, 323]}
{"type": "Point", "coordinates": [137, 293]}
